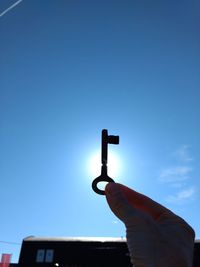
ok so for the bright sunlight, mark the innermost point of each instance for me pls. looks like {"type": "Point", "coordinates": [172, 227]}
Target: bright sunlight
{"type": "Point", "coordinates": [114, 166]}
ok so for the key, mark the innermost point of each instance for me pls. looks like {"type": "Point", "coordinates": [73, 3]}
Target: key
{"type": "Point", "coordinates": [105, 140]}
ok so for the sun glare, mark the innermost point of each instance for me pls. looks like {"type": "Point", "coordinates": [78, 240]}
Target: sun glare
{"type": "Point", "coordinates": [113, 165]}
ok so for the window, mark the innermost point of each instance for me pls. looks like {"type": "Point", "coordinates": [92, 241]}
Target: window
{"type": "Point", "coordinates": [49, 255]}
{"type": "Point", "coordinates": [40, 255]}
{"type": "Point", "coordinates": [44, 255]}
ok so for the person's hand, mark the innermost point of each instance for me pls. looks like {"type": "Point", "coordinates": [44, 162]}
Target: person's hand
{"type": "Point", "coordinates": [156, 237]}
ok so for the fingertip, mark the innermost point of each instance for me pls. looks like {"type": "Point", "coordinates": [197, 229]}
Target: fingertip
{"type": "Point", "coordinates": [118, 201]}
{"type": "Point", "coordinates": [112, 189]}
{"type": "Point", "coordinates": [108, 188]}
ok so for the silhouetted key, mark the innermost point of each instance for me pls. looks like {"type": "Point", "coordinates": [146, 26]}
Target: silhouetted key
{"type": "Point", "coordinates": [106, 139]}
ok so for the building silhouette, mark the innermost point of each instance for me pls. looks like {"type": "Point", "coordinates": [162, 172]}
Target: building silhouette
{"type": "Point", "coordinates": [79, 252]}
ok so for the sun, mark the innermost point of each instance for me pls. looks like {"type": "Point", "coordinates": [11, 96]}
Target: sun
{"type": "Point", "coordinates": [114, 166]}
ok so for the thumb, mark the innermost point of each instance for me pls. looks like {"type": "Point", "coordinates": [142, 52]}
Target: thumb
{"type": "Point", "coordinates": [121, 207]}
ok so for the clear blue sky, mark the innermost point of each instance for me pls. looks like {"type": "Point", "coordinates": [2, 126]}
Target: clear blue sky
{"type": "Point", "coordinates": [68, 69]}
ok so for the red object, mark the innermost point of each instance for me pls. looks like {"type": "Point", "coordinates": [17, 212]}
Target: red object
{"type": "Point", "coordinates": [5, 260]}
